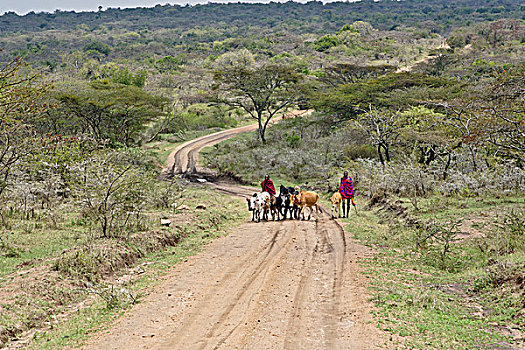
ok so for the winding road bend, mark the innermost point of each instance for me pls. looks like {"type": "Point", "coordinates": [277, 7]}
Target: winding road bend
{"type": "Point", "coordinates": [270, 285]}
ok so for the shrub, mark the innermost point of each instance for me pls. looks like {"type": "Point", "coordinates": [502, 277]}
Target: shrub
{"type": "Point", "coordinates": [98, 47]}
{"type": "Point", "coordinates": [325, 43]}
{"type": "Point", "coordinates": [114, 191]}
{"type": "Point", "coordinates": [506, 236]}
{"type": "Point", "coordinates": [353, 152]}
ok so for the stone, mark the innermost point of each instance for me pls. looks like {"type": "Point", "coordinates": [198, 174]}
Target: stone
{"type": "Point", "coordinates": [165, 222]}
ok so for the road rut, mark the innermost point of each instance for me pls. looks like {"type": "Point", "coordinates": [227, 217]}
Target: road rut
{"type": "Point", "coordinates": [270, 285]}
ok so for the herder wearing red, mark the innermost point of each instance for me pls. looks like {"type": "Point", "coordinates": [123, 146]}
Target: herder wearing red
{"type": "Point", "coordinates": [267, 185]}
{"type": "Point", "coordinates": [347, 192]}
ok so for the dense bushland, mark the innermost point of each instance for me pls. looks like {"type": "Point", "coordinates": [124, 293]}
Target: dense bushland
{"type": "Point", "coordinates": [436, 15]}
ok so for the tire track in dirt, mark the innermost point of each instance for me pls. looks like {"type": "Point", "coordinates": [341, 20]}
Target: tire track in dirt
{"type": "Point", "coordinates": [337, 244]}
{"type": "Point", "coordinates": [327, 259]}
{"type": "Point", "coordinates": [267, 271]}
{"type": "Point", "coordinates": [248, 274]}
{"type": "Point", "coordinates": [271, 285]}
{"type": "Point", "coordinates": [293, 333]}
{"type": "Point", "coordinates": [242, 291]}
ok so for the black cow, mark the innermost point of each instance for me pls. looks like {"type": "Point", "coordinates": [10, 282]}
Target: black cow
{"type": "Point", "coordinates": [284, 194]}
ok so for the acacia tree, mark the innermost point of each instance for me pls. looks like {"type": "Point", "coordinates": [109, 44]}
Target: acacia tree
{"type": "Point", "coordinates": [390, 91]}
{"type": "Point", "coordinates": [489, 118]}
{"type": "Point", "coordinates": [262, 91]}
{"type": "Point", "coordinates": [465, 122]}
{"type": "Point", "coordinates": [114, 189]}
{"type": "Point", "coordinates": [382, 128]}
{"type": "Point", "coordinates": [109, 112]}
{"type": "Point", "coordinates": [430, 134]}
{"type": "Point", "coordinates": [502, 112]}
{"type": "Point", "coordinates": [347, 73]}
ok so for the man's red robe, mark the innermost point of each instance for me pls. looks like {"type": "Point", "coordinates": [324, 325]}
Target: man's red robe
{"type": "Point", "coordinates": [267, 186]}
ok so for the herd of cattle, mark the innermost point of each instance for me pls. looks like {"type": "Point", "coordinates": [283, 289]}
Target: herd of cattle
{"type": "Point", "coordinates": [290, 201]}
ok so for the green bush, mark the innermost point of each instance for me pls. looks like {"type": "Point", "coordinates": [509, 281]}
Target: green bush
{"type": "Point", "coordinates": [325, 43]}
{"type": "Point", "coordinates": [507, 236]}
{"type": "Point", "coordinates": [199, 118]}
{"type": "Point", "coordinates": [292, 140]}
{"type": "Point", "coordinates": [99, 47]}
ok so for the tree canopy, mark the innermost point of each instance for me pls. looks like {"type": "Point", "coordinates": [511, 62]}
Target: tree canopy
{"type": "Point", "coordinates": [261, 90]}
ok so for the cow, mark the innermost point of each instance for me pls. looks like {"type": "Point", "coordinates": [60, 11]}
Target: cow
{"type": "Point", "coordinates": [295, 210]}
{"type": "Point", "coordinates": [254, 207]}
{"type": "Point", "coordinates": [287, 206]}
{"type": "Point", "coordinates": [259, 204]}
{"type": "Point", "coordinates": [336, 204]}
{"type": "Point", "coordinates": [306, 199]}
{"type": "Point", "coordinates": [276, 204]}
{"type": "Point", "coordinates": [264, 199]}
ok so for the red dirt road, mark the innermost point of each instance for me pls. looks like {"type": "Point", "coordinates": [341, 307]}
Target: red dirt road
{"type": "Point", "coordinates": [269, 285]}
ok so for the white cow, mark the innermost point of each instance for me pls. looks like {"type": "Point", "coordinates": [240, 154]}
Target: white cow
{"type": "Point", "coordinates": [259, 204]}
{"type": "Point", "coordinates": [264, 199]}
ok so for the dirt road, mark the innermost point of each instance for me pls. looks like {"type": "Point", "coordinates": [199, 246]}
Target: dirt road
{"type": "Point", "coordinates": [270, 285]}
{"type": "Point", "coordinates": [184, 158]}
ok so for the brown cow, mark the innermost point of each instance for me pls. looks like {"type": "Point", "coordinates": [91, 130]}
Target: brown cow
{"type": "Point", "coordinates": [306, 199]}
{"type": "Point", "coordinates": [275, 207]}
{"type": "Point", "coordinates": [336, 204]}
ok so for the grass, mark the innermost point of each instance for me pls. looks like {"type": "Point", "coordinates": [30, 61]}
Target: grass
{"type": "Point", "coordinates": [47, 292]}
{"type": "Point", "coordinates": [431, 304]}
{"type": "Point", "coordinates": [33, 241]}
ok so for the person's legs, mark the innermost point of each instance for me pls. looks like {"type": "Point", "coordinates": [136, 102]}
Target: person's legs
{"type": "Point", "coordinates": [347, 207]}
{"type": "Point", "coordinates": [344, 205]}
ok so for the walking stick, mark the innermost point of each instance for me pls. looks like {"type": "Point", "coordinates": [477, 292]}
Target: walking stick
{"type": "Point", "coordinates": [355, 207]}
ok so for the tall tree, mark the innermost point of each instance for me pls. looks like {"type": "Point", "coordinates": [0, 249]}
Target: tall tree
{"type": "Point", "coordinates": [391, 91]}
{"type": "Point", "coordinates": [382, 128]}
{"type": "Point", "coordinates": [109, 112]}
{"type": "Point", "coordinates": [261, 90]}
{"type": "Point", "coordinates": [501, 108]}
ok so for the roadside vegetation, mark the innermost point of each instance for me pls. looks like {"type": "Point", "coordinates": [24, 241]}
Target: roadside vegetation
{"type": "Point", "coordinates": [422, 101]}
{"type": "Point", "coordinates": [449, 275]}
{"type": "Point", "coordinates": [62, 277]}
{"type": "Point", "coordinates": [436, 154]}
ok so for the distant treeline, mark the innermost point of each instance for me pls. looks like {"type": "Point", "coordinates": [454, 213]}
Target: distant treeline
{"type": "Point", "coordinates": [439, 16]}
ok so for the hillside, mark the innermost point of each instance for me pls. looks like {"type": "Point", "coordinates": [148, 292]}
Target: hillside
{"type": "Point", "coordinates": [441, 16]}
{"type": "Point", "coordinates": [169, 29]}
